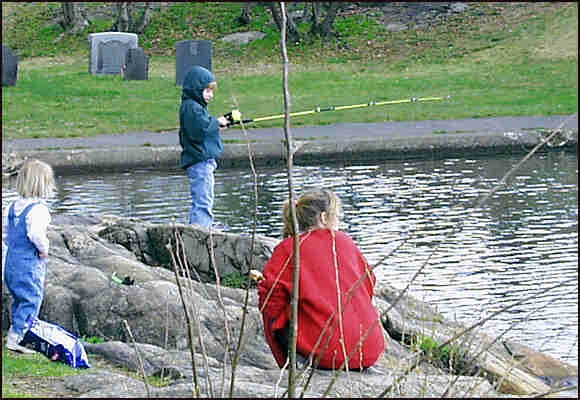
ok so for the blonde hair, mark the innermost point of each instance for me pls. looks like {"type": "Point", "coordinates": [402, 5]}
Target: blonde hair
{"type": "Point", "coordinates": [35, 179]}
{"type": "Point", "coordinates": [212, 85]}
{"type": "Point", "coordinates": [308, 208]}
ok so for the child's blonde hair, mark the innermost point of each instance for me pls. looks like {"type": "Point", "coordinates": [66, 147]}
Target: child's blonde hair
{"type": "Point", "coordinates": [35, 179]}
{"type": "Point", "coordinates": [212, 85]}
{"type": "Point", "coordinates": [308, 207]}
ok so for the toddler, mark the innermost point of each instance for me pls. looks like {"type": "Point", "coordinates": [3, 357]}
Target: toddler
{"type": "Point", "coordinates": [27, 247]}
{"type": "Point", "coordinates": [200, 140]}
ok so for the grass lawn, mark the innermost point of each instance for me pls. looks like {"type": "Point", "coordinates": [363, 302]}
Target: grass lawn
{"type": "Point", "coordinates": [487, 69]}
{"type": "Point", "coordinates": [26, 375]}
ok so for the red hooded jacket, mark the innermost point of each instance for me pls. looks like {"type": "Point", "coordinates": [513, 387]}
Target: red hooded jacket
{"type": "Point", "coordinates": [318, 316]}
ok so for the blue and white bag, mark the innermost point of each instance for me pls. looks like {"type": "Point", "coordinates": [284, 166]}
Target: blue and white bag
{"type": "Point", "coordinates": [56, 343]}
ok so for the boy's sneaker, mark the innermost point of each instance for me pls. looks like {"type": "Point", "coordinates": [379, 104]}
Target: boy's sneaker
{"type": "Point", "coordinates": [12, 344]}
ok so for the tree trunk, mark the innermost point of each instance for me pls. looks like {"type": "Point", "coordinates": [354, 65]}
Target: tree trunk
{"type": "Point", "coordinates": [245, 18]}
{"type": "Point", "coordinates": [122, 24]}
{"type": "Point", "coordinates": [330, 17]}
{"type": "Point", "coordinates": [73, 19]}
{"type": "Point", "coordinates": [275, 15]}
{"type": "Point", "coordinates": [316, 12]}
{"type": "Point", "coordinates": [323, 28]}
{"type": "Point", "coordinates": [145, 19]}
{"type": "Point", "coordinates": [292, 29]}
{"type": "Point", "coordinates": [128, 19]}
{"type": "Point", "coordinates": [294, 35]}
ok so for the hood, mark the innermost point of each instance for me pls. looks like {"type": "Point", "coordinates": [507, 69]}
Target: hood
{"type": "Point", "coordinates": [195, 81]}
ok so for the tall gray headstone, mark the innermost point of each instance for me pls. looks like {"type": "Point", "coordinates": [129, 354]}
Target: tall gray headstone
{"type": "Point", "coordinates": [108, 50]}
{"type": "Point", "coordinates": [189, 53]}
{"type": "Point", "coordinates": [9, 67]}
{"type": "Point", "coordinates": [136, 65]}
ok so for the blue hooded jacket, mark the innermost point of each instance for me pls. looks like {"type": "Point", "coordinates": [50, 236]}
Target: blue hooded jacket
{"type": "Point", "coordinates": [199, 132]}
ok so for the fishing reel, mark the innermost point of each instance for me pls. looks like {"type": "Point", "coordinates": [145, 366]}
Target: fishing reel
{"type": "Point", "coordinates": [233, 117]}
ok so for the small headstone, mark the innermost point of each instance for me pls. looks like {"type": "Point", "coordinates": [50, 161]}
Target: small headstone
{"type": "Point", "coordinates": [108, 51]}
{"type": "Point", "coordinates": [189, 53]}
{"type": "Point", "coordinates": [9, 67]}
{"type": "Point", "coordinates": [136, 65]}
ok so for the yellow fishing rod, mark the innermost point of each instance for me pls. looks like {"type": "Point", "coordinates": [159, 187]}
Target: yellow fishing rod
{"type": "Point", "coordinates": [235, 116]}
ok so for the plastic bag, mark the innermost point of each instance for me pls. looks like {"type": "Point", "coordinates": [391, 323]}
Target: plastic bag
{"type": "Point", "coordinates": [56, 343]}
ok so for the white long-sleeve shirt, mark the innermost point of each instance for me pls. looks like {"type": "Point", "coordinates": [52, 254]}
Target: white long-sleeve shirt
{"type": "Point", "coordinates": [37, 221]}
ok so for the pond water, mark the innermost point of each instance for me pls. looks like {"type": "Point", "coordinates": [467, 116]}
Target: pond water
{"type": "Point", "coordinates": [477, 259]}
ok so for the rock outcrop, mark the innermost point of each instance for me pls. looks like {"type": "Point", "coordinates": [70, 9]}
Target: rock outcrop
{"type": "Point", "coordinates": [83, 296]}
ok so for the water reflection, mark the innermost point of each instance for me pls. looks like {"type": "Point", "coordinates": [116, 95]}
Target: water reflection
{"type": "Point", "coordinates": [479, 259]}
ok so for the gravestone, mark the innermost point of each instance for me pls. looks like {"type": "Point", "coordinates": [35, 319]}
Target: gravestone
{"type": "Point", "coordinates": [9, 67]}
{"type": "Point", "coordinates": [108, 50]}
{"type": "Point", "coordinates": [189, 53]}
{"type": "Point", "coordinates": [136, 65]}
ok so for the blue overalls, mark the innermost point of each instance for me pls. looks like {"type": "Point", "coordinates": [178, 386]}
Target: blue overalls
{"type": "Point", "coordinates": [24, 271]}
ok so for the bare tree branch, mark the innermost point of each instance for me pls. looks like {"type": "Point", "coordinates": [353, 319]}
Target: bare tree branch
{"type": "Point", "coordinates": [251, 259]}
{"type": "Point", "coordinates": [290, 157]}
{"type": "Point", "coordinates": [177, 267]}
{"type": "Point", "coordinates": [139, 358]}
{"type": "Point", "coordinates": [470, 328]}
{"type": "Point", "coordinates": [523, 160]}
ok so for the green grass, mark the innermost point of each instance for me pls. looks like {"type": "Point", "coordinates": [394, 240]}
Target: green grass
{"type": "Point", "coordinates": [29, 367]}
{"type": "Point", "coordinates": [499, 59]}
{"type": "Point", "coordinates": [62, 101]}
{"type": "Point", "coordinates": [92, 339]}
{"type": "Point", "coordinates": [236, 280]}
{"type": "Point", "coordinates": [447, 357]}
{"type": "Point", "coordinates": [30, 375]}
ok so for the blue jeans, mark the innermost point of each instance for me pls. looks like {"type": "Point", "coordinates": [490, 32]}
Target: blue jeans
{"type": "Point", "coordinates": [201, 180]}
{"type": "Point", "coordinates": [25, 282]}
{"type": "Point", "coordinates": [24, 272]}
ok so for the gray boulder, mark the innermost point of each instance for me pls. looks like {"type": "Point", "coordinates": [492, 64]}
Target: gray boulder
{"type": "Point", "coordinates": [250, 381]}
{"type": "Point", "coordinates": [83, 296]}
{"type": "Point", "coordinates": [243, 37]}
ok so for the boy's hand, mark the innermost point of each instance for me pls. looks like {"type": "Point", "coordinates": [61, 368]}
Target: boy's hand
{"type": "Point", "coordinates": [233, 117]}
{"type": "Point", "coordinates": [223, 122]}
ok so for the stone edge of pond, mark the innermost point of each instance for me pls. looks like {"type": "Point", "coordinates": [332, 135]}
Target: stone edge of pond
{"type": "Point", "coordinates": [306, 152]}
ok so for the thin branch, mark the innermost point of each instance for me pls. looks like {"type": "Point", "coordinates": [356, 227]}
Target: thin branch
{"type": "Point", "coordinates": [495, 340]}
{"type": "Point", "coordinates": [519, 164]}
{"type": "Point", "coordinates": [250, 261]}
{"type": "Point", "coordinates": [139, 358]}
{"type": "Point", "coordinates": [339, 299]}
{"type": "Point", "coordinates": [479, 323]}
{"type": "Point", "coordinates": [187, 273]}
{"type": "Point", "coordinates": [480, 203]}
{"type": "Point", "coordinates": [176, 267]}
{"type": "Point", "coordinates": [290, 156]}
{"type": "Point", "coordinates": [228, 346]}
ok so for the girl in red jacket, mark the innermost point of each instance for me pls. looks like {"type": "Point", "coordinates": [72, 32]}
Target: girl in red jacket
{"type": "Point", "coordinates": [337, 321]}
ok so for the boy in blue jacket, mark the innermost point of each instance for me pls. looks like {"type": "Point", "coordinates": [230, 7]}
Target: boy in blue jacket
{"type": "Point", "coordinates": [199, 136]}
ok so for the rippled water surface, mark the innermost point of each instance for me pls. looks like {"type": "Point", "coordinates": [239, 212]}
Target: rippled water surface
{"type": "Point", "coordinates": [477, 259]}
